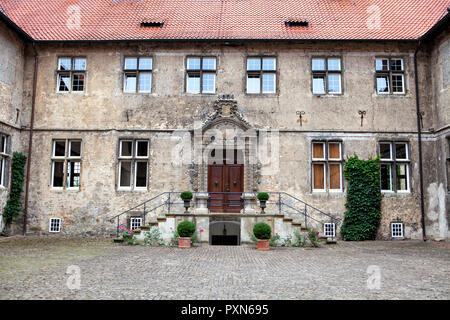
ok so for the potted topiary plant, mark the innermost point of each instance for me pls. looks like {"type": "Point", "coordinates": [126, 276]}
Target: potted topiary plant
{"type": "Point", "coordinates": [187, 197]}
{"type": "Point", "coordinates": [185, 231]}
{"type": "Point", "coordinates": [262, 197]}
{"type": "Point", "coordinates": [262, 232]}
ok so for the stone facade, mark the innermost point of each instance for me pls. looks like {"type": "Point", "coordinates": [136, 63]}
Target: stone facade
{"type": "Point", "coordinates": [104, 113]}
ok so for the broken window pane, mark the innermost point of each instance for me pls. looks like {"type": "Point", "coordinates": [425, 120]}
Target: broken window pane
{"type": "Point", "coordinates": [130, 64]}
{"type": "Point", "coordinates": [78, 82]}
{"type": "Point", "coordinates": [385, 151]}
{"type": "Point", "coordinates": [145, 63]}
{"type": "Point", "coordinates": [383, 84]}
{"type": "Point", "coordinates": [334, 83]}
{"type": "Point", "coordinates": [142, 149]}
{"type": "Point", "coordinates": [59, 148]}
{"type": "Point", "coordinates": [64, 64]}
{"type": "Point", "coordinates": [318, 84]}
{"type": "Point", "coordinates": [386, 178]}
{"type": "Point", "coordinates": [75, 148]}
{"type": "Point", "coordinates": [125, 173]}
{"type": "Point", "coordinates": [126, 147]}
{"type": "Point", "coordinates": [335, 176]}
{"type": "Point", "coordinates": [73, 174]}
{"type": "Point", "coordinates": [402, 177]}
{"type": "Point", "coordinates": [58, 174]}
{"type": "Point", "coordinates": [193, 83]}
{"type": "Point", "coordinates": [130, 83]}
{"type": "Point", "coordinates": [145, 82]}
{"type": "Point", "coordinates": [319, 176]}
{"type": "Point", "coordinates": [268, 83]}
{"type": "Point", "coordinates": [141, 174]}
{"type": "Point", "coordinates": [63, 82]}
{"type": "Point", "coordinates": [253, 83]}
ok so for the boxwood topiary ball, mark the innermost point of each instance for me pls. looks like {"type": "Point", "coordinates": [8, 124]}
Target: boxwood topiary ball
{"type": "Point", "coordinates": [262, 230]}
{"type": "Point", "coordinates": [186, 229]}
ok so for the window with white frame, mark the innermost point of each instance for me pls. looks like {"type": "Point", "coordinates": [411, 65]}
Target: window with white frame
{"type": "Point", "coordinates": [66, 164]}
{"type": "Point", "coordinates": [137, 74]}
{"type": "Point", "coordinates": [394, 166]}
{"type": "Point", "coordinates": [4, 158]}
{"type": "Point", "coordinates": [448, 165]}
{"type": "Point", "coordinates": [71, 74]}
{"type": "Point", "coordinates": [327, 166]}
{"type": "Point", "coordinates": [326, 75]}
{"type": "Point", "coordinates": [329, 229]}
{"type": "Point", "coordinates": [261, 75]}
{"type": "Point", "coordinates": [200, 74]}
{"type": "Point", "coordinates": [135, 223]}
{"type": "Point", "coordinates": [397, 230]}
{"type": "Point", "coordinates": [133, 164]}
{"type": "Point", "coordinates": [390, 77]}
{"type": "Point", "coordinates": [54, 225]}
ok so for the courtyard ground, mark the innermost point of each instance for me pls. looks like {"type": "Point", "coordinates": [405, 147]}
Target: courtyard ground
{"type": "Point", "coordinates": [35, 268]}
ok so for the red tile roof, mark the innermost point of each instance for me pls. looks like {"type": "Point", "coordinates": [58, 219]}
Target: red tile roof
{"type": "Point", "coordinates": [224, 19]}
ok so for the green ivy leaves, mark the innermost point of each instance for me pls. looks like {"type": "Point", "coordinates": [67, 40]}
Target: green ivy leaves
{"type": "Point", "coordinates": [13, 206]}
{"type": "Point", "coordinates": [363, 214]}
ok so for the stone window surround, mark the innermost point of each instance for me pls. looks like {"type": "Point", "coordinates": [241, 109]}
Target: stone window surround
{"type": "Point", "coordinates": [65, 159]}
{"type": "Point", "coordinates": [133, 159]}
{"type": "Point", "coordinates": [326, 72]}
{"type": "Point", "coordinates": [71, 73]}
{"type": "Point", "coordinates": [5, 157]}
{"type": "Point", "coordinates": [393, 162]}
{"type": "Point", "coordinates": [137, 72]}
{"type": "Point", "coordinates": [326, 161]}
{"type": "Point", "coordinates": [200, 72]}
{"type": "Point", "coordinates": [262, 56]}
{"type": "Point", "coordinates": [389, 73]}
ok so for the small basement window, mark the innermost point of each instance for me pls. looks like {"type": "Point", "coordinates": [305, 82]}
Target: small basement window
{"type": "Point", "coordinates": [397, 230]}
{"type": "Point", "coordinates": [329, 229]}
{"type": "Point", "coordinates": [55, 225]}
{"type": "Point", "coordinates": [135, 223]}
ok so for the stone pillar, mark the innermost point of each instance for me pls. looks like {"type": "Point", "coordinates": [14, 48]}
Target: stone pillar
{"type": "Point", "coordinates": [250, 203]}
{"type": "Point", "coordinates": [201, 203]}
{"type": "Point", "coordinates": [202, 223]}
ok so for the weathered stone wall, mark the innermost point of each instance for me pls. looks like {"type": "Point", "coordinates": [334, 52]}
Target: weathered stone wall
{"type": "Point", "coordinates": [11, 96]}
{"type": "Point", "coordinates": [103, 114]}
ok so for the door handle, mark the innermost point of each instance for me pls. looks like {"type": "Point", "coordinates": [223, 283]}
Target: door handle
{"type": "Point", "coordinates": [234, 182]}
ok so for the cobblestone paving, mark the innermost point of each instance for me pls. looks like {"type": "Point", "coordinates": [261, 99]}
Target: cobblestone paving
{"type": "Point", "coordinates": [35, 268]}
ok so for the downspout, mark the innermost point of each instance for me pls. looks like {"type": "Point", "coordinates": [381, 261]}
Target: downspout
{"type": "Point", "coordinates": [419, 136]}
{"type": "Point", "coordinates": [30, 143]}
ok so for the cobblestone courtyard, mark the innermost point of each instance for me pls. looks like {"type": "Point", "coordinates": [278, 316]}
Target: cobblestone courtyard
{"type": "Point", "coordinates": [35, 268]}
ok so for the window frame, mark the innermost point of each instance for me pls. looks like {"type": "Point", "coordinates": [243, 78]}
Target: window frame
{"type": "Point", "coordinates": [402, 229]}
{"type": "Point", "coordinates": [200, 73]}
{"type": "Point", "coordinates": [50, 225]}
{"type": "Point", "coordinates": [137, 72]}
{"type": "Point", "coordinates": [71, 73]}
{"type": "Point", "coordinates": [5, 158]}
{"type": "Point", "coordinates": [393, 162]}
{"type": "Point", "coordinates": [333, 229]}
{"type": "Point", "coordinates": [66, 159]}
{"type": "Point", "coordinates": [261, 72]}
{"type": "Point", "coordinates": [133, 160]}
{"type": "Point", "coordinates": [325, 73]}
{"type": "Point", "coordinates": [327, 162]}
{"type": "Point", "coordinates": [390, 73]}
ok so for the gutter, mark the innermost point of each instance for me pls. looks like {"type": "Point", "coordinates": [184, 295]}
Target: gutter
{"type": "Point", "coordinates": [30, 143]}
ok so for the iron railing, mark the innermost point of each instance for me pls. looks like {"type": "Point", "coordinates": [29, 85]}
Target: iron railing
{"type": "Point", "coordinates": [281, 203]}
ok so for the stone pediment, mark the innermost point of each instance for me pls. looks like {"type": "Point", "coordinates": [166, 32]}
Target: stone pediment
{"type": "Point", "coordinates": [226, 112]}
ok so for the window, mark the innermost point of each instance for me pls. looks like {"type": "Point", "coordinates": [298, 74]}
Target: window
{"type": "Point", "coordinates": [261, 75]}
{"type": "Point", "coordinates": [133, 164]}
{"type": "Point", "coordinates": [397, 230]}
{"type": "Point", "coordinates": [201, 75]}
{"type": "Point", "coordinates": [137, 74]}
{"type": "Point", "coordinates": [394, 166]}
{"type": "Point", "coordinates": [329, 229]}
{"type": "Point", "coordinates": [4, 158]}
{"type": "Point", "coordinates": [448, 165]}
{"type": "Point", "coordinates": [54, 225]}
{"type": "Point", "coordinates": [71, 74]}
{"type": "Point", "coordinates": [135, 223]}
{"type": "Point", "coordinates": [327, 166]}
{"type": "Point", "coordinates": [390, 78]}
{"type": "Point", "coordinates": [66, 164]}
{"type": "Point", "coordinates": [326, 75]}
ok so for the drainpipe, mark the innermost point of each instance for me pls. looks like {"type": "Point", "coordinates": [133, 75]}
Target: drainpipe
{"type": "Point", "coordinates": [419, 136]}
{"type": "Point", "coordinates": [30, 143]}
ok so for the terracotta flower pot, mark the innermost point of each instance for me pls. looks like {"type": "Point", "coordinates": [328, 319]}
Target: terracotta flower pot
{"type": "Point", "coordinates": [263, 244]}
{"type": "Point", "coordinates": [184, 242]}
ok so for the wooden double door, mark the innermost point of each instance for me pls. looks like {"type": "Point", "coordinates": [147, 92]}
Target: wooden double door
{"type": "Point", "coordinates": [227, 181]}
